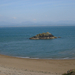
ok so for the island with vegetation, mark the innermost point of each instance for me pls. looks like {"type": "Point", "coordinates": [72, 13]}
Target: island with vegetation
{"type": "Point", "coordinates": [46, 35]}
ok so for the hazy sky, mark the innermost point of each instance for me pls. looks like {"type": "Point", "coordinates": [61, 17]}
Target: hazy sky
{"type": "Point", "coordinates": [20, 11]}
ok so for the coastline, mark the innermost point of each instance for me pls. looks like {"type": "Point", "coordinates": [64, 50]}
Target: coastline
{"type": "Point", "coordinates": [34, 66]}
{"type": "Point", "coordinates": [67, 58]}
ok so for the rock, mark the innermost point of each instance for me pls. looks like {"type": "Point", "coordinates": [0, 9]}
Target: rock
{"type": "Point", "coordinates": [59, 37]}
{"type": "Point", "coordinates": [46, 35]}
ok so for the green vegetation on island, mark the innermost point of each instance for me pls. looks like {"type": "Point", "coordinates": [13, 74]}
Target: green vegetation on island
{"type": "Point", "coordinates": [46, 35]}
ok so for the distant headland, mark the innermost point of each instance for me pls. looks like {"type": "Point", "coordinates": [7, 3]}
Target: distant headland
{"type": "Point", "coordinates": [46, 35]}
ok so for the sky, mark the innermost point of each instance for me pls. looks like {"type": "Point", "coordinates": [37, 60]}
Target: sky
{"type": "Point", "coordinates": [37, 12]}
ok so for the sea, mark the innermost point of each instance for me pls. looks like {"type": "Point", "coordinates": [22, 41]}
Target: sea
{"type": "Point", "coordinates": [14, 41]}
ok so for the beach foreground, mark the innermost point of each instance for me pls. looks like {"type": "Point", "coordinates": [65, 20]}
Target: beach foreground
{"type": "Point", "coordinates": [21, 66]}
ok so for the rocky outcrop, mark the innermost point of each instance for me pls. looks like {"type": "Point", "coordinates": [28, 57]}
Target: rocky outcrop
{"type": "Point", "coordinates": [46, 35]}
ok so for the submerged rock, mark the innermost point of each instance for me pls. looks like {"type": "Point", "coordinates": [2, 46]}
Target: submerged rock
{"type": "Point", "coordinates": [46, 35]}
{"type": "Point", "coordinates": [59, 37]}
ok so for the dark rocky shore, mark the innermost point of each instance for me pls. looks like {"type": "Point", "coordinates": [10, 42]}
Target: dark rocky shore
{"type": "Point", "coordinates": [46, 35]}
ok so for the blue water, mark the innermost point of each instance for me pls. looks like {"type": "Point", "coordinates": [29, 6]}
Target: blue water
{"type": "Point", "coordinates": [14, 41]}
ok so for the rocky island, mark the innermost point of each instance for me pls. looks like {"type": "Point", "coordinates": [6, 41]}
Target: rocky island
{"type": "Point", "coordinates": [46, 35]}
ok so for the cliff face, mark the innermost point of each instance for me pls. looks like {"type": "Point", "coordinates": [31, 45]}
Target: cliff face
{"type": "Point", "coordinates": [46, 35]}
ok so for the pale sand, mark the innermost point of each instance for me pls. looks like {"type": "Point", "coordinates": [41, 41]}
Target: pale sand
{"type": "Point", "coordinates": [21, 66]}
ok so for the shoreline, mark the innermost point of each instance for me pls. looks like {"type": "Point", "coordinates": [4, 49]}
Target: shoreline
{"type": "Point", "coordinates": [66, 58]}
{"type": "Point", "coordinates": [35, 66]}
{"type": "Point", "coordinates": [45, 58]}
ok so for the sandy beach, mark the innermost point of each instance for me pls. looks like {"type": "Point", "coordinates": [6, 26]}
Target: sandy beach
{"type": "Point", "coordinates": [22, 66]}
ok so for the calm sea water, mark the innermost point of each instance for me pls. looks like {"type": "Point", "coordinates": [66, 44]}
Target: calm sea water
{"type": "Point", "coordinates": [16, 42]}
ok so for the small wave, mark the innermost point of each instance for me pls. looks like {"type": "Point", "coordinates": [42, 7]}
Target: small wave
{"type": "Point", "coordinates": [28, 57]}
{"type": "Point", "coordinates": [46, 58]}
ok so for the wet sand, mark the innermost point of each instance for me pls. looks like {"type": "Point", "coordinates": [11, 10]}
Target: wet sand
{"type": "Point", "coordinates": [22, 66]}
